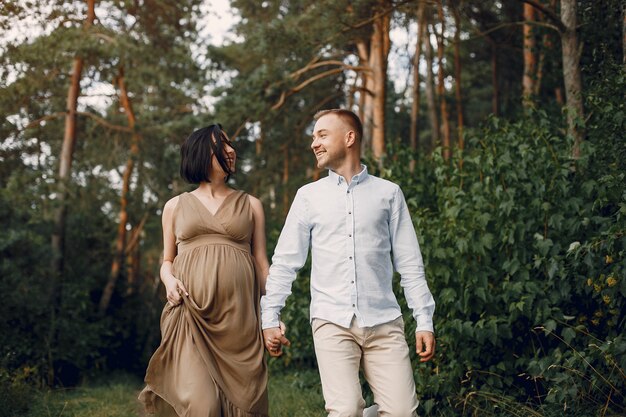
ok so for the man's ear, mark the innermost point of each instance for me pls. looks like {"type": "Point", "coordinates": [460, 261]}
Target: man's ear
{"type": "Point", "coordinates": [350, 138]}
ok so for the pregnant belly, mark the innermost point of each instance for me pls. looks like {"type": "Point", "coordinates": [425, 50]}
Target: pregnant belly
{"type": "Point", "coordinates": [217, 276]}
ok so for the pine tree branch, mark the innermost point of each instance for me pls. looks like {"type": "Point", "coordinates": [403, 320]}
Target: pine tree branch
{"type": "Point", "coordinates": [314, 64]}
{"type": "Point", "coordinates": [36, 123]}
{"type": "Point", "coordinates": [98, 120]}
{"type": "Point", "coordinates": [104, 123]}
{"type": "Point", "coordinates": [378, 15]}
{"type": "Point", "coordinates": [134, 238]}
{"type": "Point", "coordinates": [507, 24]}
{"type": "Point", "coordinates": [302, 85]}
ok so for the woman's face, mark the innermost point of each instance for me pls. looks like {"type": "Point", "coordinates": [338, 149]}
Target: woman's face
{"type": "Point", "coordinates": [229, 154]}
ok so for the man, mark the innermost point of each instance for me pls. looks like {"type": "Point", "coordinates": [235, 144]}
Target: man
{"type": "Point", "coordinates": [354, 222]}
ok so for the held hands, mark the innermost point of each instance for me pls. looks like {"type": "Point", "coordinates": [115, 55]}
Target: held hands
{"type": "Point", "coordinates": [174, 289]}
{"type": "Point", "coordinates": [274, 339]}
{"type": "Point", "coordinates": [425, 345]}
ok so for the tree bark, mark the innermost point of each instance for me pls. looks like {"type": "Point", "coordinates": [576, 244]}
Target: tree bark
{"type": "Point", "coordinates": [65, 170]}
{"type": "Point", "coordinates": [133, 253]}
{"type": "Point", "coordinates": [363, 92]}
{"type": "Point", "coordinates": [624, 34]}
{"type": "Point", "coordinates": [430, 90]}
{"type": "Point", "coordinates": [366, 101]}
{"type": "Point", "coordinates": [380, 52]}
{"type": "Point", "coordinates": [415, 105]}
{"type": "Point", "coordinates": [571, 75]}
{"type": "Point", "coordinates": [530, 59]}
{"type": "Point", "coordinates": [285, 179]}
{"type": "Point", "coordinates": [457, 81]}
{"type": "Point", "coordinates": [373, 55]}
{"type": "Point", "coordinates": [445, 124]}
{"type": "Point", "coordinates": [546, 45]}
{"type": "Point", "coordinates": [494, 77]}
{"type": "Point", "coordinates": [120, 241]}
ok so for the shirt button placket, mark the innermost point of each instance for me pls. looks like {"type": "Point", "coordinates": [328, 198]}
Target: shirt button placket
{"type": "Point", "coordinates": [351, 243]}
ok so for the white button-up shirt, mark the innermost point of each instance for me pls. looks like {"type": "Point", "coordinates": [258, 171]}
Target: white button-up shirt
{"type": "Point", "coordinates": [355, 232]}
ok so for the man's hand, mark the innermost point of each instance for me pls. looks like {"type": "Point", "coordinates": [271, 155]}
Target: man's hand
{"type": "Point", "coordinates": [274, 339]}
{"type": "Point", "coordinates": [425, 345]}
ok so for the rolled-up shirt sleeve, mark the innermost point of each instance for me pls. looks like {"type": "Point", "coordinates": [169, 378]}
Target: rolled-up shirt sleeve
{"type": "Point", "coordinates": [408, 262]}
{"type": "Point", "coordinates": [289, 257]}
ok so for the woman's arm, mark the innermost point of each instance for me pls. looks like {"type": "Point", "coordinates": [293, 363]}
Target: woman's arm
{"type": "Point", "coordinates": [259, 246]}
{"type": "Point", "coordinates": [172, 284]}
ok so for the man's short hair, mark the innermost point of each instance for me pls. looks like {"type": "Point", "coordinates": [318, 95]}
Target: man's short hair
{"type": "Point", "coordinates": [196, 154]}
{"type": "Point", "coordinates": [348, 117]}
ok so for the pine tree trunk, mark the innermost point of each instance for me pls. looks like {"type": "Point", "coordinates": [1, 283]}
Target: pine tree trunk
{"type": "Point", "coordinates": [258, 150]}
{"type": "Point", "coordinates": [379, 52]}
{"type": "Point", "coordinates": [366, 110]}
{"type": "Point", "coordinates": [134, 268]}
{"type": "Point", "coordinates": [285, 180]}
{"type": "Point", "coordinates": [373, 56]}
{"type": "Point", "coordinates": [415, 105]}
{"type": "Point", "coordinates": [546, 46]}
{"type": "Point", "coordinates": [624, 34]}
{"type": "Point", "coordinates": [530, 59]}
{"type": "Point", "coordinates": [571, 75]}
{"type": "Point", "coordinates": [558, 96]}
{"type": "Point", "coordinates": [494, 77]}
{"type": "Point", "coordinates": [445, 124]}
{"type": "Point", "coordinates": [120, 241]}
{"type": "Point", "coordinates": [362, 92]}
{"type": "Point", "coordinates": [430, 90]}
{"type": "Point", "coordinates": [457, 81]}
{"type": "Point", "coordinates": [65, 171]}
{"type": "Point", "coordinates": [133, 252]}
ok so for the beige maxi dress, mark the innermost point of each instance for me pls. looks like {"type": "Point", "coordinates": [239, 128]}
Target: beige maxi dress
{"type": "Point", "coordinates": [210, 362]}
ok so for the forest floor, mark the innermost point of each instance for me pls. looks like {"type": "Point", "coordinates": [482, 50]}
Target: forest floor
{"type": "Point", "coordinates": [291, 394]}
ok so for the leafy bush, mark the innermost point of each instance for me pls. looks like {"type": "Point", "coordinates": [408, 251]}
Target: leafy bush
{"type": "Point", "coordinates": [525, 257]}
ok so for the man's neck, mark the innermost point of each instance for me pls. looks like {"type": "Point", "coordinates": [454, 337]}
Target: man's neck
{"type": "Point", "coordinates": [349, 170]}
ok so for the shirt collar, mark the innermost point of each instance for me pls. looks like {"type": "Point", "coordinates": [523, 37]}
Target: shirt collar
{"type": "Point", "coordinates": [338, 179]}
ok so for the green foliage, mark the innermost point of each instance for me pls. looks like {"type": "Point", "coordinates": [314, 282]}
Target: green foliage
{"type": "Point", "coordinates": [524, 247]}
{"type": "Point", "coordinates": [16, 394]}
{"type": "Point", "coordinates": [525, 256]}
{"type": "Point", "coordinates": [125, 40]}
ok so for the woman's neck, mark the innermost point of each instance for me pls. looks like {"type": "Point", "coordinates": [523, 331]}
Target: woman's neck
{"type": "Point", "coordinates": [215, 188]}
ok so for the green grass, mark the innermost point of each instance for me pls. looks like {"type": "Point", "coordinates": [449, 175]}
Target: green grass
{"type": "Point", "coordinates": [291, 394]}
{"type": "Point", "coordinates": [116, 397]}
{"type": "Point", "coordinates": [296, 394]}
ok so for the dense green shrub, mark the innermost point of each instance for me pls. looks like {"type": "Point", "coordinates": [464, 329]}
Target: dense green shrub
{"type": "Point", "coordinates": [525, 256]}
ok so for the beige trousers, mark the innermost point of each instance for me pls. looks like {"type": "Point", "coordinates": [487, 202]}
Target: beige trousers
{"type": "Point", "coordinates": [383, 353]}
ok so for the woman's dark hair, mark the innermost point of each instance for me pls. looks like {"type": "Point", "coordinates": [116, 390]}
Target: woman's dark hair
{"type": "Point", "coordinates": [197, 151]}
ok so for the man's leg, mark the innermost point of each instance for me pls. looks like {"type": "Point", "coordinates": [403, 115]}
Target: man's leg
{"type": "Point", "coordinates": [388, 370]}
{"type": "Point", "coordinates": [338, 358]}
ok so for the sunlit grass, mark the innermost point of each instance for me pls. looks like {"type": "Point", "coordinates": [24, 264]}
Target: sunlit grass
{"type": "Point", "coordinates": [291, 394]}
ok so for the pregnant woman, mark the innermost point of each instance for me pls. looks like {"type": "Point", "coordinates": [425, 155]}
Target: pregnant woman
{"type": "Point", "coordinates": [210, 361]}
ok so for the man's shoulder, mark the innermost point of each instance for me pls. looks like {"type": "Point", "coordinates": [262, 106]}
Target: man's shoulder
{"type": "Point", "coordinates": [312, 186]}
{"type": "Point", "coordinates": [383, 183]}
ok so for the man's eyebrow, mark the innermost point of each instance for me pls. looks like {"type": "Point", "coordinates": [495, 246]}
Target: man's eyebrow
{"type": "Point", "coordinates": [318, 132]}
